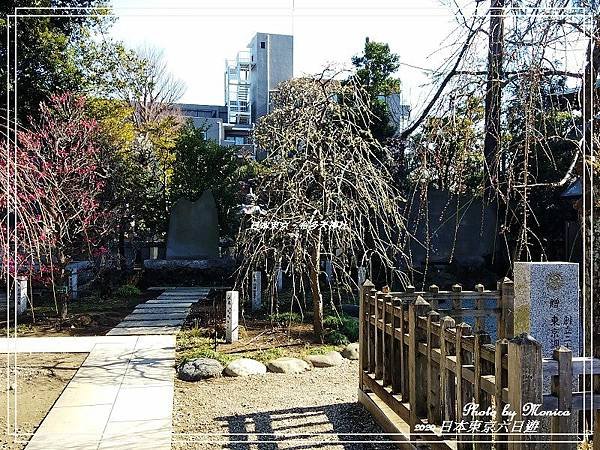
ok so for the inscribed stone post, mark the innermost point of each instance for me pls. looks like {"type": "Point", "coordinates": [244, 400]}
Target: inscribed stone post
{"type": "Point", "coordinates": [361, 275]}
{"type": "Point", "coordinates": [328, 270]}
{"type": "Point", "coordinates": [73, 282]}
{"type": "Point", "coordinates": [547, 304]}
{"type": "Point", "coordinates": [21, 286]}
{"type": "Point", "coordinates": [231, 317]}
{"type": "Point", "coordinates": [256, 290]}
{"type": "Point", "coordinates": [279, 278]}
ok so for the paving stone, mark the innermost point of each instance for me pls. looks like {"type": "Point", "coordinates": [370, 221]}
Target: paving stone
{"type": "Point", "coordinates": [131, 331]}
{"type": "Point", "coordinates": [157, 316]}
{"type": "Point", "coordinates": [162, 306]}
{"type": "Point", "coordinates": [150, 323]}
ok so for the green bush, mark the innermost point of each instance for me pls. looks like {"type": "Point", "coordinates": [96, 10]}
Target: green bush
{"type": "Point", "coordinates": [285, 318]}
{"type": "Point", "coordinates": [127, 291]}
{"type": "Point", "coordinates": [334, 337]}
{"type": "Point", "coordinates": [344, 325]}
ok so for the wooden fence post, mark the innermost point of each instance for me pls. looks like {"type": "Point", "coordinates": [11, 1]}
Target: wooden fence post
{"type": "Point", "coordinates": [363, 330]}
{"type": "Point", "coordinates": [387, 340]}
{"type": "Point", "coordinates": [397, 354]}
{"type": "Point", "coordinates": [562, 386]}
{"type": "Point", "coordinates": [464, 392]}
{"type": "Point", "coordinates": [378, 339]}
{"type": "Point", "coordinates": [433, 373]}
{"type": "Point", "coordinates": [416, 365]}
{"type": "Point", "coordinates": [500, 381]}
{"type": "Point", "coordinates": [447, 386]}
{"type": "Point", "coordinates": [479, 305]}
{"type": "Point", "coordinates": [524, 386]}
{"type": "Point", "coordinates": [507, 303]}
{"type": "Point", "coordinates": [481, 368]}
{"type": "Point", "coordinates": [371, 297]}
{"type": "Point", "coordinates": [434, 289]}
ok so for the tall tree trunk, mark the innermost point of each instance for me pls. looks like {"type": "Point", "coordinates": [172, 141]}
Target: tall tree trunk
{"type": "Point", "coordinates": [586, 206]}
{"type": "Point", "coordinates": [493, 97]}
{"type": "Point", "coordinates": [317, 297]}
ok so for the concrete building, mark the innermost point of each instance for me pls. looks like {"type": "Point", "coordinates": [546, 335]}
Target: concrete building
{"type": "Point", "coordinates": [249, 79]}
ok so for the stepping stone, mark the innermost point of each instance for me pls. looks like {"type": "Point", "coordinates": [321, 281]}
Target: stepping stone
{"type": "Point", "coordinates": [166, 304]}
{"type": "Point", "coordinates": [150, 323]}
{"type": "Point", "coordinates": [157, 316]}
{"type": "Point", "coordinates": [131, 331]}
{"type": "Point", "coordinates": [163, 306]}
{"type": "Point", "coordinates": [170, 302]}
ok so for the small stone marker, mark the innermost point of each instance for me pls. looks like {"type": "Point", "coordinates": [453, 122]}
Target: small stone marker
{"type": "Point", "coordinates": [361, 275]}
{"type": "Point", "coordinates": [21, 286]}
{"type": "Point", "coordinates": [328, 270]}
{"type": "Point", "coordinates": [153, 252]}
{"type": "Point", "coordinates": [231, 316]}
{"type": "Point", "coordinates": [547, 304]}
{"type": "Point", "coordinates": [256, 290]}
{"type": "Point", "coordinates": [73, 283]}
{"type": "Point", "coordinates": [279, 278]}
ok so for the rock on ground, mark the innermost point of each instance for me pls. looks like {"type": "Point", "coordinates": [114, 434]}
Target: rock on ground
{"type": "Point", "coordinates": [350, 351]}
{"type": "Point", "coordinates": [329, 359]}
{"type": "Point", "coordinates": [288, 365]}
{"type": "Point", "coordinates": [243, 367]}
{"type": "Point", "coordinates": [321, 403]}
{"type": "Point", "coordinates": [199, 369]}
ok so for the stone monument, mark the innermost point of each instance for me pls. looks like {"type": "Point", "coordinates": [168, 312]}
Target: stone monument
{"type": "Point", "coordinates": [547, 304]}
{"type": "Point", "coordinates": [194, 229]}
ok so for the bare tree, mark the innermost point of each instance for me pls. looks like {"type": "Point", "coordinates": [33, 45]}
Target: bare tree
{"type": "Point", "coordinates": [321, 191]}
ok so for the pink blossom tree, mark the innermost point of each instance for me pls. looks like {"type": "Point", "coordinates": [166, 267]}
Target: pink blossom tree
{"type": "Point", "coordinates": [54, 207]}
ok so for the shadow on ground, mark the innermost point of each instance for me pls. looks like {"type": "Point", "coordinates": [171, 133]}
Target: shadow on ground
{"type": "Point", "coordinates": [349, 427]}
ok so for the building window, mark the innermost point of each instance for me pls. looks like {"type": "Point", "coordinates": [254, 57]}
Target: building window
{"type": "Point", "coordinates": [263, 44]}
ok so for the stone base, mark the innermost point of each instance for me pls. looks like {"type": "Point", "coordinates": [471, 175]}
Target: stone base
{"type": "Point", "coordinates": [188, 272]}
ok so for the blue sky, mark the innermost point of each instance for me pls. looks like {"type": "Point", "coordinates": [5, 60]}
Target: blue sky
{"type": "Point", "coordinates": [197, 36]}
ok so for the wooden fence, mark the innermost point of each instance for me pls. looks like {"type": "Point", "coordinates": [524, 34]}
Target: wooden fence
{"type": "Point", "coordinates": [421, 372]}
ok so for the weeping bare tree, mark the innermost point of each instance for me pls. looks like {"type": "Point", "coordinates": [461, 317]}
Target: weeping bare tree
{"type": "Point", "coordinates": [321, 191]}
{"type": "Point", "coordinates": [534, 65]}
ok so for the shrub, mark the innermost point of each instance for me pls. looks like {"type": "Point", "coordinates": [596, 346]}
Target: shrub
{"type": "Point", "coordinates": [334, 337]}
{"type": "Point", "coordinates": [127, 291]}
{"type": "Point", "coordinates": [285, 318]}
{"type": "Point", "coordinates": [343, 325]}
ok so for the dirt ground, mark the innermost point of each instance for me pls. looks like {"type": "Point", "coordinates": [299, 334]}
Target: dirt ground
{"type": "Point", "coordinates": [278, 406]}
{"type": "Point", "coordinates": [88, 316]}
{"type": "Point", "coordinates": [41, 379]}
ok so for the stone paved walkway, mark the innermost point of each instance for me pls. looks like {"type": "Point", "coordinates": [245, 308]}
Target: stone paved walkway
{"type": "Point", "coordinates": [122, 395]}
{"type": "Point", "coordinates": [162, 315]}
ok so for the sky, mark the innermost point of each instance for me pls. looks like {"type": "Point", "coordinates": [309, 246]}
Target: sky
{"type": "Point", "coordinates": [198, 35]}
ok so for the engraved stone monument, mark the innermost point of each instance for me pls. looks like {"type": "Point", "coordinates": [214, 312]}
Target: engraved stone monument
{"type": "Point", "coordinates": [547, 304]}
{"type": "Point", "coordinates": [194, 229]}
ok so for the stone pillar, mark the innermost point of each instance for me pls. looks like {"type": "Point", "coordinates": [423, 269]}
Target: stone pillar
{"type": "Point", "coordinates": [328, 270]}
{"type": "Point", "coordinates": [73, 283]}
{"type": "Point", "coordinates": [361, 275]}
{"type": "Point", "coordinates": [231, 317]}
{"type": "Point", "coordinates": [256, 290]}
{"type": "Point", "coordinates": [22, 296]}
{"type": "Point", "coordinates": [279, 279]}
{"type": "Point", "coordinates": [547, 304]}
{"type": "Point", "coordinates": [153, 252]}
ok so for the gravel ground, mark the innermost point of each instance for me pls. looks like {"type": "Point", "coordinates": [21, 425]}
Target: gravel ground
{"type": "Point", "coordinates": [320, 401]}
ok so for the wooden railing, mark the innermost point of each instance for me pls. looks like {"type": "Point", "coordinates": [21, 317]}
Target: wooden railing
{"type": "Point", "coordinates": [427, 370]}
